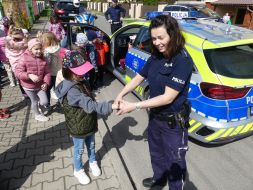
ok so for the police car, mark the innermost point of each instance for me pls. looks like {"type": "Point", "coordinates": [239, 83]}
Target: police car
{"type": "Point", "coordinates": [220, 93]}
{"type": "Point", "coordinates": [180, 11]}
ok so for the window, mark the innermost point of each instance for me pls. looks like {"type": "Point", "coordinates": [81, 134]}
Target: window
{"type": "Point", "coordinates": [176, 8]}
{"type": "Point", "coordinates": [234, 62]}
{"type": "Point", "coordinates": [167, 8]}
{"type": "Point", "coordinates": [184, 9]}
{"type": "Point", "coordinates": [143, 40]}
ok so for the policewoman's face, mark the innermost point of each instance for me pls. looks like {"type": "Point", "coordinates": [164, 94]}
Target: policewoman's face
{"type": "Point", "coordinates": [160, 38]}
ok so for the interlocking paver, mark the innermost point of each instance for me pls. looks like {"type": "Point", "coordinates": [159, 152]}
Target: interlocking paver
{"type": "Point", "coordinates": [30, 145]}
{"type": "Point", "coordinates": [61, 172]}
{"type": "Point", "coordinates": [53, 164]}
{"type": "Point", "coordinates": [13, 173]}
{"type": "Point", "coordinates": [55, 185]}
{"type": "Point", "coordinates": [28, 161]}
{"type": "Point", "coordinates": [43, 177]}
{"type": "Point", "coordinates": [6, 165]}
{"type": "Point", "coordinates": [14, 155]}
{"type": "Point", "coordinates": [39, 156]}
{"type": "Point", "coordinates": [28, 170]}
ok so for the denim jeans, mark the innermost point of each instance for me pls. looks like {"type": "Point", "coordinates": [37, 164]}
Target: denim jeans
{"type": "Point", "coordinates": [79, 149]}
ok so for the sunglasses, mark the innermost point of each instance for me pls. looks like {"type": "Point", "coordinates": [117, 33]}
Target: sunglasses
{"type": "Point", "coordinates": [17, 39]}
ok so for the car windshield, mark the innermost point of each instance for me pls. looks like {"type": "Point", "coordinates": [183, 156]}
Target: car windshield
{"type": "Point", "coordinates": [233, 62]}
{"type": "Point", "coordinates": [204, 12]}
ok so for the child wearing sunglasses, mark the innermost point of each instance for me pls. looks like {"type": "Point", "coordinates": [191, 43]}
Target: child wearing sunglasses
{"type": "Point", "coordinates": [15, 46]}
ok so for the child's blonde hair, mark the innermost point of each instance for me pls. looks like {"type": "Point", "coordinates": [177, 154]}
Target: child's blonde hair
{"type": "Point", "coordinates": [48, 39]}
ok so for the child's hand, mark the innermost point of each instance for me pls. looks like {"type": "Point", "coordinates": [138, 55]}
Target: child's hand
{"type": "Point", "coordinates": [116, 106]}
{"type": "Point", "coordinates": [44, 87]}
{"type": "Point", "coordinates": [34, 78]}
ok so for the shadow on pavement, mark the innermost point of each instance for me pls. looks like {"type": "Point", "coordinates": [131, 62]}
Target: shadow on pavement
{"type": "Point", "coordinates": [19, 161]}
{"type": "Point", "coordinates": [119, 134]}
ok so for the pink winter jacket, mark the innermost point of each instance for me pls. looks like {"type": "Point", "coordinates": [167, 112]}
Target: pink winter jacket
{"type": "Point", "coordinates": [30, 64]}
{"type": "Point", "coordinates": [14, 50]}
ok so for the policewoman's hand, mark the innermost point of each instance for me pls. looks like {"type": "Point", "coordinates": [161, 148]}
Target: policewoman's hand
{"type": "Point", "coordinates": [126, 107]}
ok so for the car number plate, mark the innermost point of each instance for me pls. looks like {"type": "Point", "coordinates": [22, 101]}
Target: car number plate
{"type": "Point", "coordinates": [72, 14]}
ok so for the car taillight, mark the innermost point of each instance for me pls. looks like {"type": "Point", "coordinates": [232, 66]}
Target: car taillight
{"type": "Point", "coordinates": [221, 92]}
{"type": "Point", "coordinates": [59, 11]}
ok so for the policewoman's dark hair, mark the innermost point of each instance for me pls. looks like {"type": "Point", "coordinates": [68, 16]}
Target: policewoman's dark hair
{"type": "Point", "coordinates": [177, 40]}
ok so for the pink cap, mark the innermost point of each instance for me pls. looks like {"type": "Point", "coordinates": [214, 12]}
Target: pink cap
{"type": "Point", "coordinates": [82, 69]}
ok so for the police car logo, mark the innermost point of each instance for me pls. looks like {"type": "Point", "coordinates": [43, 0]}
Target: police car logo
{"type": "Point", "coordinates": [168, 65]}
{"type": "Point", "coordinates": [135, 64]}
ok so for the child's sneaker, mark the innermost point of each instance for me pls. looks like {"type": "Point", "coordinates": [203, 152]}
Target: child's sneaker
{"type": "Point", "coordinates": [41, 117]}
{"type": "Point", "coordinates": [95, 169]}
{"type": "Point", "coordinates": [82, 177]}
{"type": "Point", "coordinates": [12, 84]}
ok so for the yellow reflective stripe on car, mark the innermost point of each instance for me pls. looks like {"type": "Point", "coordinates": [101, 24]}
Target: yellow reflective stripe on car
{"type": "Point", "coordinates": [194, 127]}
{"type": "Point", "coordinates": [215, 135]}
{"type": "Point", "coordinates": [237, 130]}
{"type": "Point", "coordinates": [247, 128]}
{"type": "Point", "coordinates": [138, 89]}
{"type": "Point", "coordinates": [227, 132]}
{"type": "Point", "coordinates": [237, 42]}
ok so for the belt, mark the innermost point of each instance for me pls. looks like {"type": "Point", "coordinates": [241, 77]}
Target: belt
{"type": "Point", "coordinates": [118, 22]}
{"type": "Point", "coordinates": [165, 116]}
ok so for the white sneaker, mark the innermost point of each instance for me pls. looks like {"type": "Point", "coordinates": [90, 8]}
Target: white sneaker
{"type": "Point", "coordinates": [12, 84]}
{"type": "Point", "coordinates": [82, 177]}
{"type": "Point", "coordinates": [95, 169]}
{"type": "Point", "coordinates": [41, 117]}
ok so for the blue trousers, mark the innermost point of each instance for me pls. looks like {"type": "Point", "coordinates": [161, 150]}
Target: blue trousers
{"type": "Point", "coordinates": [167, 151]}
{"type": "Point", "coordinates": [79, 149]}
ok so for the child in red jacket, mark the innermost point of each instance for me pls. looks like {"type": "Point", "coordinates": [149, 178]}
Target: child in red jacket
{"type": "Point", "coordinates": [102, 48]}
{"type": "Point", "coordinates": [34, 75]}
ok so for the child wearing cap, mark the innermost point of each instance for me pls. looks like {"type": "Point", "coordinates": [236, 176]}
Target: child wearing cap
{"type": "Point", "coordinates": [80, 110]}
{"type": "Point", "coordinates": [86, 46]}
{"type": "Point", "coordinates": [34, 75]}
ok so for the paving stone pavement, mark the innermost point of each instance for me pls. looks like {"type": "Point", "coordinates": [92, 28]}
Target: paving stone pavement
{"type": "Point", "coordinates": [38, 155]}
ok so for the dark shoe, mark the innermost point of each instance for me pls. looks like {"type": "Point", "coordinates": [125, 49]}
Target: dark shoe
{"type": "Point", "coordinates": [150, 182]}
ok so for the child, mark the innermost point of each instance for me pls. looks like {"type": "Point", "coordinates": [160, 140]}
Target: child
{"type": "Point", "coordinates": [102, 48]}
{"type": "Point", "coordinates": [34, 75]}
{"type": "Point", "coordinates": [56, 27]}
{"type": "Point", "coordinates": [5, 61]}
{"type": "Point", "coordinates": [80, 109]}
{"type": "Point", "coordinates": [7, 21]}
{"type": "Point", "coordinates": [15, 46]}
{"type": "Point", "coordinates": [51, 49]}
{"type": "Point", "coordinates": [86, 46]}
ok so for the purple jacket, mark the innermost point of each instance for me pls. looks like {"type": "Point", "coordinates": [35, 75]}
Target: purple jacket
{"type": "Point", "coordinates": [30, 64]}
{"type": "Point", "coordinates": [57, 29]}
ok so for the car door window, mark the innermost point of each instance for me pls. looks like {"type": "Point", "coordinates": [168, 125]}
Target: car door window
{"type": "Point", "coordinates": [175, 8]}
{"type": "Point", "coordinates": [143, 40]}
{"type": "Point", "coordinates": [168, 8]}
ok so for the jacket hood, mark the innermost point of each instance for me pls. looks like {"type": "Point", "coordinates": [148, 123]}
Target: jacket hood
{"type": "Point", "coordinates": [52, 49]}
{"type": "Point", "coordinates": [63, 88]}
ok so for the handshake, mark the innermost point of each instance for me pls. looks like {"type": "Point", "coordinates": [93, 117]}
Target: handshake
{"type": "Point", "coordinates": [123, 106]}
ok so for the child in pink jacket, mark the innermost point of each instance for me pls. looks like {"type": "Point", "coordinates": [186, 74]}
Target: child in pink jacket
{"type": "Point", "coordinates": [34, 75]}
{"type": "Point", "coordinates": [5, 61]}
{"type": "Point", "coordinates": [15, 46]}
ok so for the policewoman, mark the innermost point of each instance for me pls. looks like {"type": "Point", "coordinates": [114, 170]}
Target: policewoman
{"type": "Point", "coordinates": [168, 72]}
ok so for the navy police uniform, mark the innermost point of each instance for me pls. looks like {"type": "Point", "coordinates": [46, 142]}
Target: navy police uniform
{"type": "Point", "coordinates": [167, 136]}
{"type": "Point", "coordinates": [114, 14]}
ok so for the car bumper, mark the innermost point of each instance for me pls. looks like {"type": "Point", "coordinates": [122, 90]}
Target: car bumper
{"type": "Point", "coordinates": [212, 132]}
